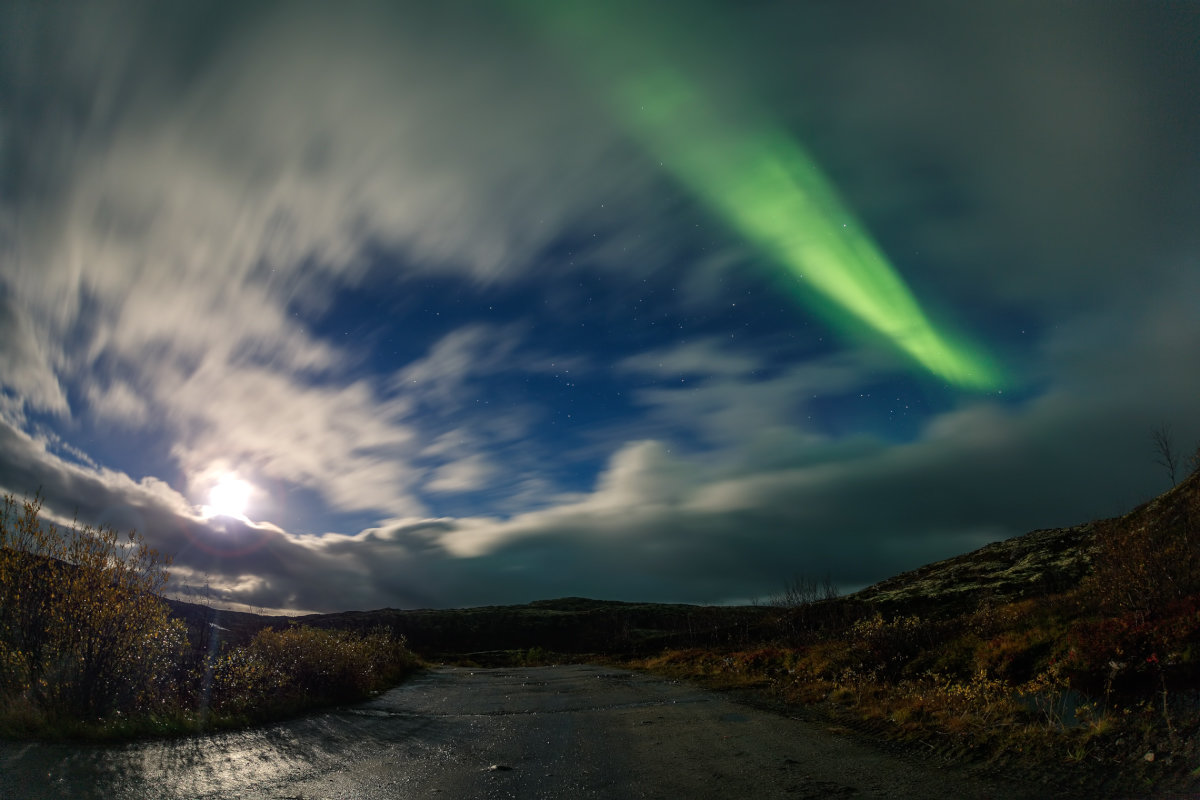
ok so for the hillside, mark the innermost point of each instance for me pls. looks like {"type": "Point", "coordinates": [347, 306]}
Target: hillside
{"type": "Point", "coordinates": [1036, 564]}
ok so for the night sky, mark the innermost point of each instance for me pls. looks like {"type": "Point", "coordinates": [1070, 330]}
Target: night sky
{"type": "Point", "coordinates": [351, 305]}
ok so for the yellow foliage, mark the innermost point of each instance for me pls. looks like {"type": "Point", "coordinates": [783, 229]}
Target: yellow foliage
{"type": "Point", "coordinates": [283, 670]}
{"type": "Point", "coordinates": [82, 629]}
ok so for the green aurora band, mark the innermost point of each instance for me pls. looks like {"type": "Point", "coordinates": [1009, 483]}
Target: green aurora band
{"type": "Point", "coordinates": [761, 182]}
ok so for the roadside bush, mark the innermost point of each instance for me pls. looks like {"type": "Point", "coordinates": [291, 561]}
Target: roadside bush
{"type": "Point", "coordinates": [283, 671]}
{"type": "Point", "coordinates": [83, 632]}
{"type": "Point", "coordinates": [884, 648]}
{"type": "Point", "coordinates": [1135, 648]}
{"type": "Point", "coordinates": [1145, 562]}
{"type": "Point", "coordinates": [87, 647]}
{"type": "Point", "coordinates": [956, 703]}
{"type": "Point", "coordinates": [1015, 655]}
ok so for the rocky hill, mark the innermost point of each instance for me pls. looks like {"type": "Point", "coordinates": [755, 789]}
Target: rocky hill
{"type": "Point", "coordinates": [1036, 564]}
{"type": "Point", "coordinates": [1042, 562]}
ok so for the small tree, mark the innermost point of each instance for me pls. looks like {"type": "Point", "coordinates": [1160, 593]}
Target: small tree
{"type": "Point", "coordinates": [1165, 455]}
{"type": "Point", "coordinates": [82, 628]}
{"type": "Point", "coordinates": [805, 603]}
{"type": "Point", "coordinates": [802, 590]}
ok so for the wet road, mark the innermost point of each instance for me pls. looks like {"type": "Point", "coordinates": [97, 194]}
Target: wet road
{"type": "Point", "coordinates": [546, 732]}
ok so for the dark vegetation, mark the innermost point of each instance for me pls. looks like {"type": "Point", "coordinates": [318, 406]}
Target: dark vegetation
{"type": "Point", "coordinates": [89, 649]}
{"type": "Point", "coordinates": [570, 628]}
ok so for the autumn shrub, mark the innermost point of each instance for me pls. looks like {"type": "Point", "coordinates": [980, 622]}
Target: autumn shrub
{"type": "Point", "coordinates": [87, 646]}
{"type": "Point", "coordinates": [1125, 652]}
{"type": "Point", "coordinates": [283, 671]}
{"type": "Point", "coordinates": [1144, 562]}
{"type": "Point", "coordinates": [535, 657]}
{"type": "Point", "coordinates": [693, 661]}
{"type": "Point", "coordinates": [83, 633]}
{"type": "Point", "coordinates": [976, 701]}
{"type": "Point", "coordinates": [884, 648]}
{"type": "Point", "coordinates": [809, 607]}
{"type": "Point", "coordinates": [1015, 655]}
{"type": "Point", "coordinates": [762, 659]}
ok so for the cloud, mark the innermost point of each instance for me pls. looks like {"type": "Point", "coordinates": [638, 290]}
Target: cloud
{"type": "Point", "coordinates": [731, 400]}
{"type": "Point", "coordinates": [662, 524]}
{"type": "Point", "coordinates": [705, 357]}
{"type": "Point", "coordinates": [472, 351]}
{"type": "Point", "coordinates": [665, 526]}
{"type": "Point", "coordinates": [193, 198]}
{"type": "Point", "coordinates": [299, 135]}
{"type": "Point", "coordinates": [461, 476]}
{"type": "Point", "coordinates": [340, 440]}
{"type": "Point", "coordinates": [26, 367]}
{"type": "Point", "coordinates": [670, 526]}
{"type": "Point", "coordinates": [223, 552]}
{"type": "Point", "coordinates": [118, 402]}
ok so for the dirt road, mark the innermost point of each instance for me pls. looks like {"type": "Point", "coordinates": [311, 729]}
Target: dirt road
{"type": "Point", "coordinates": [547, 732]}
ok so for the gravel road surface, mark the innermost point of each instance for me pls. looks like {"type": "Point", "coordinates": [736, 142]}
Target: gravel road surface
{"type": "Point", "coordinates": [545, 732]}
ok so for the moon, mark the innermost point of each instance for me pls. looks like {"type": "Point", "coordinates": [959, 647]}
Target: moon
{"type": "Point", "coordinates": [229, 497]}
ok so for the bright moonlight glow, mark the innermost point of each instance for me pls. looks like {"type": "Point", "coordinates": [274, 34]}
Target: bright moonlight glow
{"type": "Point", "coordinates": [229, 497]}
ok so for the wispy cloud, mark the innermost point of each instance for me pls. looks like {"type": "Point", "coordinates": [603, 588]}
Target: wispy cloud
{"type": "Point", "coordinates": [27, 367]}
{"type": "Point", "coordinates": [464, 475]}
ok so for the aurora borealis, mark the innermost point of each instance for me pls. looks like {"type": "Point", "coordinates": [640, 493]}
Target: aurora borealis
{"type": "Point", "coordinates": [760, 181]}
{"type": "Point", "coordinates": [425, 305]}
